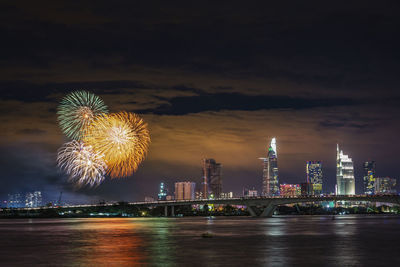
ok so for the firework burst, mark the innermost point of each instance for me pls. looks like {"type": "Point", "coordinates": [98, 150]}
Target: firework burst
{"type": "Point", "coordinates": [77, 110]}
{"type": "Point", "coordinates": [123, 139]}
{"type": "Point", "coordinates": [84, 166]}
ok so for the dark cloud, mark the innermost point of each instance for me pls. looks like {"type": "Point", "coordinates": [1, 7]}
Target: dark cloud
{"type": "Point", "coordinates": [34, 92]}
{"type": "Point", "coordinates": [235, 101]}
{"type": "Point", "coordinates": [337, 47]}
{"type": "Point", "coordinates": [335, 125]}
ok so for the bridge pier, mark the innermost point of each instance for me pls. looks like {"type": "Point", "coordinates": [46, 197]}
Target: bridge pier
{"type": "Point", "coordinates": [251, 210]}
{"type": "Point", "coordinates": [268, 210]}
{"type": "Point", "coordinates": [172, 211]}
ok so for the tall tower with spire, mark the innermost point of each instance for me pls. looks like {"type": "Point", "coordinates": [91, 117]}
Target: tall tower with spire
{"type": "Point", "coordinates": [270, 171]}
{"type": "Point", "coordinates": [345, 182]}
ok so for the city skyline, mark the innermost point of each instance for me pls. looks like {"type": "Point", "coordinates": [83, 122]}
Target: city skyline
{"type": "Point", "coordinates": [313, 185]}
{"type": "Point", "coordinates": [312, 76]}
{"type": "Point", "coordinates": [212, 171]}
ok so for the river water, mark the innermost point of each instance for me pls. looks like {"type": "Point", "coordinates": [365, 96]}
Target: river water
{"type": "Point", "coordinates": [236, 241]}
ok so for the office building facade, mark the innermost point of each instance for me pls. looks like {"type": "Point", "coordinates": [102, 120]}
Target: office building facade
{"type": "Point", "coordinates": [345, 182]}
{"type": "Point", "coordinates": [249, 192]}
{"type": "Point", "coordinates": [307, 189]}
{"type": "Point", "coordinates": [314, 176]}
{"type": "Point", "coordinates": [227, 195]}
{"type": "Point", "coordinates": [369, 177]}
{"type": "Point", "coordinates": [290, 190]}
{"type": "Point", "coordinates": [33, 199]}
{"type": "Point", "coordinates": [212, 178]}
{"type": "Point", "coordinates": [185, 190]}
{"type": "Point", "coordinates": [385, 186]}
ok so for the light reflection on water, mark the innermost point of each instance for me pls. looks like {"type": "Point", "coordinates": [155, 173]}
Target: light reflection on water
{"type": "Point", "coordinates": [237, 241]}
{"type": "Point", "coordinates": [115, 241]}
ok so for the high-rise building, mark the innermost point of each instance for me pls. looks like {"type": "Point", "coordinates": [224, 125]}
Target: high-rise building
{"type": "Point", "coordinates": [314, 176]}
{"type": "Point", "coordinates": [212, 179]}
{"type": "Point", "coordinates": [344, 174]}
{"type": "Point", "coordinates": [227, 195]}
{"type": "Point", "coordinates": [249, 192]}
{"type": "Point", "coordinates": [369, 177]}
{"type": "Point", "coordinates": [15, 201]}
{"type": "Point", "coordinates": [385, 185]}
{"type": "Point", "coordinates": [306, 189]}
{"type": "Point", "coordinates": [185, 190]}
{"type": "Point", "coordinates": [33, 199]}
{"type": "Point", "coordinates": [29, 200]}
{"type": "Point", "coordinates": [290, 190]}
{"type": "Point", "coordinates": [162, 195]}
{"type": "Point", "coordinates": [37, 199]}
{"type": "Point", "coordinates": [270, 171]}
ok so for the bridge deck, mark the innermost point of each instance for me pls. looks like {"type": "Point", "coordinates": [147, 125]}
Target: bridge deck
{"type": "Point", "coordinates": [250, 201]}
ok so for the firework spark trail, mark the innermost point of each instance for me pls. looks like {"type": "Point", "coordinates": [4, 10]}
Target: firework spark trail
{"type": "Point", "coordinates": [123, 138]}
{"type": "Point", "coordinates": [84, 166]}
{"type": "Point", "coordinates": [77, 110]}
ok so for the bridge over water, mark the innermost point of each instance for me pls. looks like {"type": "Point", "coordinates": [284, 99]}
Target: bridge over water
{"type": "Point", "coordinates": [257, 206]}
{"type": "Point", "coordinates": [267, 205]}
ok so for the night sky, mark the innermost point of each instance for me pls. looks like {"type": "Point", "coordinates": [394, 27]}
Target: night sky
{"type": "Point", "coordinates": [212, 79]}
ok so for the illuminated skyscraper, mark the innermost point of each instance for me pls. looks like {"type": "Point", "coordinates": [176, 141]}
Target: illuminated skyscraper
{"type": "Point", "coordinates": [270, 171]}
{"type": "Point", "coordinates": [185, 190]}
{"type": "Point", "coordinates": [29, 200]}
{"type": "Point", "coordinates": [385, 185]}
{"type": "Point", "coordinates": [314, 176]}
{"type": "Point", "coordinates": [33, 200]}
{"type": "Point", "coordinates": [369, 177]}
{"type": "Point", "coordinates": [162, 195]}
{"type": "Point", "coordinates": [290, 190]}
{"type": "Point", "coordinates": [344, 174]}
{"type": "Point", "coordinates": [212, 179]}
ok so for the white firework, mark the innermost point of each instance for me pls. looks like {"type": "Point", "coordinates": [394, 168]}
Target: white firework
{"type": "Point", "coordinates": [82, 164]}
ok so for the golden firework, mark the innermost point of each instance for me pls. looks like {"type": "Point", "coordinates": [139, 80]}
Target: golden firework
{"type": "Point", "coordinates": [123, 139]}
